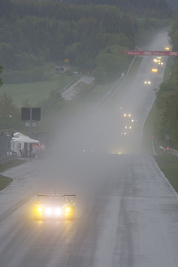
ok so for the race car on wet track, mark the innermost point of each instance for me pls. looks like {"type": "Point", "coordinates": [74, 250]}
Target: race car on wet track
{"type": "Point", "coordinates": [54, 206]}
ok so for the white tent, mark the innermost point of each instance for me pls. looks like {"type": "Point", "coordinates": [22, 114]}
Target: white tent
{"type": "Point", "coordinates": [22, 144]}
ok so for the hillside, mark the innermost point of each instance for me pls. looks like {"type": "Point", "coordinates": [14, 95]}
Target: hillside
{"type": "Point", "coordinates": [173, 4]}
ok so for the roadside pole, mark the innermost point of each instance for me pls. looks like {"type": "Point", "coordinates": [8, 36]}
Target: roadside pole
{"type": "Point", "coordinates": [31, 122]}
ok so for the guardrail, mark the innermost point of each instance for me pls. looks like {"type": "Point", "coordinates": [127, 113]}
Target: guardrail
{"type": "Point", "coordinates": [8, 158]}
{"type": "Point", "coordinates": [173, 152]}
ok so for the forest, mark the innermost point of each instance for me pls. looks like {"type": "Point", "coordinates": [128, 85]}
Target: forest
{"type": "Point", "coordinates": [35, 36]}
{"type": "Point", "coordinates": [138, 6]}
{"type": "Point", "coordinates": [167, 98]}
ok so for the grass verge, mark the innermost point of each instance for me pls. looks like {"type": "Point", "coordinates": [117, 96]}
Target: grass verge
{"type": "Point", "coordinates": [169, 166]}
{"type": "Point", "coordinates": [148, 132]}
{"type": "Point", "coordinates": [132, 73]}
{"type": "Point", "coordinates": [103, 89]}
{"type": "Point", "coordinates": [130, 78]}
{"type": "Point", "coordinates": [36, 91]}
{"type": "Point", "coordinates": [4, 180]}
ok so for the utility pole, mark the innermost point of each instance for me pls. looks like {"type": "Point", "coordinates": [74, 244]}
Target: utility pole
{"type": "Point", "coordinates": [31, 122]}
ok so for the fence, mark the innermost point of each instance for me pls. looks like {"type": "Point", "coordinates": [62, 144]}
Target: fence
{"type": "Point", "coordinates": [173, 152]}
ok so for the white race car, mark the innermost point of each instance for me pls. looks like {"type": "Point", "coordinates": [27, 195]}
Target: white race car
{"type": "Point", "coordinates": [54, 206]}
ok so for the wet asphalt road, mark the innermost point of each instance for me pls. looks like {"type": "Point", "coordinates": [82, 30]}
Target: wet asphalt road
{"type": "Point", "coordinates": [126, 211]}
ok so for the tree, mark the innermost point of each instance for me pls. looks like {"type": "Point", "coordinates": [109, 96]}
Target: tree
{"type": "Point", "coordinates": [169, 118]}
{"type": "Point", "coordinates": [52, 104]}
{"type": "Point", "coordinates": [9, 113]}
{"type": "Point", "coordinates": [110, 64]}
{"type": "Point", "coordinates": [100, 75]}
{"type": "Point", "coordinates": [6, 8]}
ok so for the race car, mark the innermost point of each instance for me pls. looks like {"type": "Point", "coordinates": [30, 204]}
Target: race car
{"type": "Point", "coordinates": [147, 82]}
{"type": "Point", "coordinates": [54, 206]}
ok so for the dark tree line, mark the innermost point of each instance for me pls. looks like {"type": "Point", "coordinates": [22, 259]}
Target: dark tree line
{"type": "Point", "coordinates": [141, 7]}
{"type": "Point", "coordinates": [37, 33]}
{"type": "Point", "coordinates": [167, 98]}
{"type": "Point", "coordinates": [34, 33]}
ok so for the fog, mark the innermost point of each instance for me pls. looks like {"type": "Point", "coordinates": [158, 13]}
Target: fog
{"type": "Point", "coordinates": [88, 137]}
{"type": "Point", "coordinates": [125, 210]}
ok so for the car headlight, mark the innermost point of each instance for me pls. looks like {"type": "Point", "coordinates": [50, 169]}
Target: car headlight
{"type": "Point", "coordinates": [48, 211]}
{"type": "Point", "coordinates": [39, 209]}
{"type": "Point", "coordinates": [67, 209]}
{"type": "Point", "coordinates": [57, 211]}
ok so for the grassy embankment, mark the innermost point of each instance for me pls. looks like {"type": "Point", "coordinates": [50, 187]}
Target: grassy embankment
{"type": "Point", "coordinates": [37, 91]}
{"type": "Point", "coordinates": [100, 90]}
{"type": "Point", "coordinates": [167, 163]}
{"type": "Point", "coordinates": [4, 180]}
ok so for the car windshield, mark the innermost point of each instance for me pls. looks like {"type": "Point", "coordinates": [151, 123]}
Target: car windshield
{"type": "Point", "coordinates": [54, 201]}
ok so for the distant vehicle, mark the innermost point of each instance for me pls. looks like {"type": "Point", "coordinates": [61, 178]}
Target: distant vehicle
{"type": "Point", "coordinates": [154, 70]}
{"type": "Point", "coordinates": [147, 82]}
{"type": "Point", "coordinates": [133, 120]}
{"type": "Point", "coordinates": [127, 115]}
{"type": "Point", "coordinates": [128, 127]}
{"type": "Point", "coordinates": [54, 206]}
{"type": "Point", "coordinates": [88, 150]}
{"type": "Point", "coordinates": [157, 60]}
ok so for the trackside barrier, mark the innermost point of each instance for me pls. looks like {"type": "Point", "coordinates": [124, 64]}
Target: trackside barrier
{"type": "Point", "coordinates": [8, 158]}
{"type": "Point", "coordinates": [173, 152]}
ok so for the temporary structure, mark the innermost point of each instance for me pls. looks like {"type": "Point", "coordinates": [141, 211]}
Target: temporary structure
{"type": "Point", "coordinates": [22, 144]}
